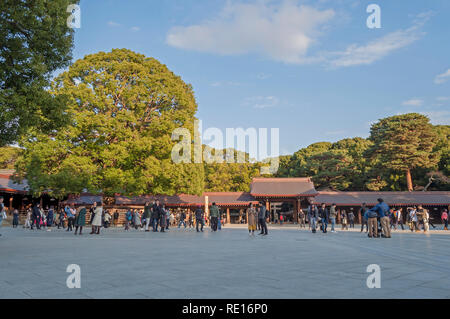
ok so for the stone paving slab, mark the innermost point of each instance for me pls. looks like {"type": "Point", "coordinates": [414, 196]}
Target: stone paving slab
{"type": "Point", "coordinates": [289, 263]}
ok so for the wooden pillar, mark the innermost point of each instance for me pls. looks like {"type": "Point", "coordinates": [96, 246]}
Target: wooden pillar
{"type": "Point", "coordinates": [11, 203]}
{"type": "Point", "coordinates": [359, 216]}
{"type": "Point", "coordinates": [228, 215]}
{"type": "Point", "coordinates": [296, 210]}
{"type": "Point", "coordinates": [268, 209]}
{"type": "Point", "coordinates": [339, 216]}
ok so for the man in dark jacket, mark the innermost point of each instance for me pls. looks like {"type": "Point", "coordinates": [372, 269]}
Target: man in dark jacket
{"type": "Point", "coordinates": [146, 215]}
{"type": "Point", "coordinates": [214, 216]}
{"type": "Point", "coordinates": [323, 214]}
{"type": "Point", "coordinates": [313, 215]}
{"type": "Point", "coordinates": [199, 216]}
{"type": "Point", "coordinates": [382, 209]}
{"type": "Point", "coordinates": [156, 212]}
{"type": "Point", "coordinates": [36, 215]}
{"type": "Point", "coordinates": [263, 215]}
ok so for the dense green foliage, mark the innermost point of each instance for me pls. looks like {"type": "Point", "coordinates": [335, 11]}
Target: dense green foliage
{"type": "Point", "coordinates": [395, 145]}
{"type": "Point", "coordinates": [8, 156]}
{"type": "Point", "coordinates": [35, 42]}
{"type": "Point", "coordinates": [122, 108]}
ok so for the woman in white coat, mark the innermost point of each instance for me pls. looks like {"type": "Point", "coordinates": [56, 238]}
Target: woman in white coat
{"type": "Point", "coordinates": [97, 221]}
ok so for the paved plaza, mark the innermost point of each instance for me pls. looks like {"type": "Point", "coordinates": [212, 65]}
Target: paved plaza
{"type": "Point", "coordinates": [288, 263]}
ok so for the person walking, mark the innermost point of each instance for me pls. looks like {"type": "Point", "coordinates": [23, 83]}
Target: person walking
{"type": "Point", "coordinates": [383, 210]}
{"type": "Point", "coordinates": [92, 217]}
{"type": "Point", "coordinates": [399, 218]}
{"type": "Point", "coordinates": [80, 219]}
{"type": "Point", "coordinates": [214, 216]}
{"type": "Point", "coordinates": [97, 222]}
{"type": "Point", "coordinates": [136, 219]}
{"type": "Point", "coordinates": [107, 218]}
{"type": "Point", "coordinates": [444, 218]}
{"type": "Point", "coordinates": [167, 217]}
{"type": "Point", "coordinates": [199, 215]}
{"type": "Point", "coordinates": [324, 216]}
{"type": "Point", "coordinates": [252, 219]}
{"type": "Point", "coordinates": [60, 218]}
{"type": "Point", "coordinates": [147, 215]}
{"type": "Point", "coordinates": [351, 218]}
{"type": "Point", "coordinates": [263, 216]}
{"type": "Point", "coordinates": [313, 215]}
{"type": "Point", "coordinates": [182, 219]}
{"type": "Point", "coordinates": [15, 218]}
{"type": "Point", "coordinates": [301, 218]}
{"type": "Point", "coordinates": [70, 217]}
{"type": "Point", "coordinates": [364, 221]}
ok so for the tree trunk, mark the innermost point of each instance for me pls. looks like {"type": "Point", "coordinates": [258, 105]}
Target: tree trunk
{"type": "Point", "coordinates": [409, 183]}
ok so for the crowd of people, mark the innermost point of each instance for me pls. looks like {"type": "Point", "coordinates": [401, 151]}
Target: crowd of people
{"type": "Point", "coordinates": [377, 221]}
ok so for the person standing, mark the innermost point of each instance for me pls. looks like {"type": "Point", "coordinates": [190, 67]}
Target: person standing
{"type": "Point", "coordinates": [324, 215]}
{"type": "Point", "coordinates": [128, 218]}
{"type": "Point", "coordinates": [199, 215]}
{"type": "Point", "coordinates": [214, 216]}
{"type": "Point", "coordinates": [313, 215]}
{"type": "Point", "coordinates": [116, 218]}
{"type": "Point", "coordinates": [50, 216]}
{"type": "Point", "coordinates": [70, 217]}
{"type": "Point", "coordinates": [108, 218]}
{"type": "Point", "coordinates": [97, 222]}
{"type": "Point", "coordinates": [364, 220]}
{"type": "Point", "coordinates": [263, 216]}
{"type": "Point", "coordinates": [92, 217]}
{"type": "Point", "coordinates": [383, 213]}
{"type": "Point", "coordinates": [301, 218]}
{"type": "Point", "coordinates": [61, 217]}
{"type": "Point", "coordinates": [2, 211]}
{"type": "Point", "coordinates": [333, 215]}
{"type": "Point", "coordinates": [344, 219]}
{"type": "Point", "coordinates": [156, 211]}
{"type": "Point", "coordinates": [147, 215]}
{"type": "Point", "coordinates": [351, 218]}
{"type": "Point", "coordinates": [372, 223]}
{"type": "Point", "coordinates": [252, 219]}
{"type": "Point", "coordinates": [80, 219]}
{"type": "Point", "coordinates": [444, 218]}
{"type": "Point", "coordinates": [167, 217]}
{"type": "Point", "coordinates": [36, 215]}
{"type": "Point", "coordinates": [162, 219]}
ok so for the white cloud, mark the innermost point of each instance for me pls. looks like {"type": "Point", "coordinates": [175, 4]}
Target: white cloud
{"type": "Point", "coordinates": [413, 102]}
{"type": "Point", "coordinates": [374, 50]}
{"type": "Point", "coordinates": [261, 102]}
{"type": "Point", "coordinates": [113, 24]}
{"type": "Point", "coordinates": [263, 76]}
{"type": "Point", "coordinates": [283, 33]}
{"type": "Point", "coordinates": [441, 78]}
{"type": "Point", "coordinates": [438, 117]}
{"type": "Point", "coordinates": [135, 29]}
{"type": "Point", "coordinates": [443, 98]}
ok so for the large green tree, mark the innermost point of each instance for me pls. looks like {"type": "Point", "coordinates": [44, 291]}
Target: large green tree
{"type": "Point", "coordinates": [35, 41]}
{"type": "Point", "coordinates": [122, 110]}
{"type": "Point", "coordinates": [403, 143]}
{"type": "Point", "coordinates": [9, 156]}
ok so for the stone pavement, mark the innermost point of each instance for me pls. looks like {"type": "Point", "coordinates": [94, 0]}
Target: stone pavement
{"type": "Point", "coordinates": [228, 264]}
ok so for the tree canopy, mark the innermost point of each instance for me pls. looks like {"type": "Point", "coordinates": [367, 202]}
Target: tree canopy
{"type": "Point", "coordinates": [122, 109]}
{"type": "Point", "coordinates": [35, 42]}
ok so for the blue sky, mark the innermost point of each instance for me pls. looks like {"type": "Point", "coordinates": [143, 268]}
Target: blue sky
{"type": "Point", "coordinates": [313, 69]}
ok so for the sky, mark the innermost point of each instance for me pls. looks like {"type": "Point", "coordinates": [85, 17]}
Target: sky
{"type": "Point", "coordinates": [313, 69]}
